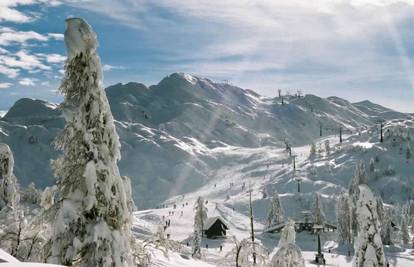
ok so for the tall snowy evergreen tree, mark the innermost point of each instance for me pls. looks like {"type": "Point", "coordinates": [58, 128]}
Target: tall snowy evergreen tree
{"type": "Point", "coordinates": [327, 147]}
{"type": "Point", "coordinates": [9, 194]}
{"type": "Point", "coordinates": [360, 177]}
{"type": "Point", "coordinates": [312, 152]}
{"type": "Point", "coordinates": [404, 232]}
{"type": "Point", "coordinates": [92, 222]}
{"type": "Point", "coordinates": [372, 165]}
{"type": "Point", "coordinates": [344, 219]}
{"type": "Point", "coordinates": [369, 251]}
{"type": "Point", "coordinates": [275, 214]}
{"type": "Point", "coordinates": [288, 254]}
{"type": "Point", "coordinates": [386, 229]}
{"type": "Point", "coordinates": [319, 215]}
{"type": "Point", "coordinates": [288, 234]}
{"type": "Point", "coordinates": [385, 222]}
{"type": "Point", "coordinates": [200, 215]}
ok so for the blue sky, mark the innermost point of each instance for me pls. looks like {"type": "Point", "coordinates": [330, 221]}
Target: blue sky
{"type": "Point", "coordinates": [358, 50]}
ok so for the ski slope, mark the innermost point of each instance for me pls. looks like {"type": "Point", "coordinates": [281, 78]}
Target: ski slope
{"type": "Point", "coordinates": [271, 168]}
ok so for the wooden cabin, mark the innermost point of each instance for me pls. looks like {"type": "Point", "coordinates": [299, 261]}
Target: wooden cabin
{"type": "Point", "coordinates": [215, 227]}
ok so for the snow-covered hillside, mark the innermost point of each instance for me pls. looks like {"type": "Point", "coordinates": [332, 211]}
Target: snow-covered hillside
{"type": "Point", "coordinates": [266, 169]}
{"type": "Point", "coordinates": [184, 133]}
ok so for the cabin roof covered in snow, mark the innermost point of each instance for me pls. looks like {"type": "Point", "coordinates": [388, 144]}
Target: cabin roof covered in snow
{"type": "Point", "coordinates": [210, 221]}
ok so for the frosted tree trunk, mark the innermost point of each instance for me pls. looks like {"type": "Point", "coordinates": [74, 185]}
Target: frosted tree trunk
{"type": "Point", "coordinates": [92, 223]}
{"type": "Point", "coordinates": [196, 253]}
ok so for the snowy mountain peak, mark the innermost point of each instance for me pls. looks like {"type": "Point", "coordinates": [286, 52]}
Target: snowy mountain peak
{"type": "Point", "coordinates": [27, 110]}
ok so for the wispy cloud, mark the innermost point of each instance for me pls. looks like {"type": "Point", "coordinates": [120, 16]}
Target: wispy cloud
{"type": "Point", "coordinates": [53, 58]}
{"type": "Point", "coordinates": [9, 72]}
{"type": "Point", "coordinates": [27, 82]}
{"type": "Point", "coordinates": [11, 39]}
{"type": "Point", "coordinates": [353, 48]}
{"type": "Point", "coordinates": [5, 85]}
{"type": "Point", "coordinates": [9, 9]}
{"type": "Point", "coordinates": [9, 36]}
{"type": "Point", "coordinates": [23, 60]}
{"type": "Point", "coordinates": [325, 46]}
{"type": "Point", "coordinates": [107, 67]}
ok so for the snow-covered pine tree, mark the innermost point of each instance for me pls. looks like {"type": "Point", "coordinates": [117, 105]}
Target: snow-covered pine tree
{"type": "Point", "coordinates": [404, 232]}
{"type": "Point", "coordinates": [327, 147]}
{"type": "Point", "coordinates": [312, 152]}
{"type": "Point", "coordinates": [360, 177]}
{"type": "Point", "coordinates": [319, 215]}
{"type": "Point", "coordinates": [242, 253]}
{"type": "Point", "coordinates": [369, 250]}
{"type": "Point", "coordinates": [386, 232]}
{"type": "Point", "coordinates": [288, 254]}
{"type": "Point", "coordinates": [385, 222]}
{"type": "Point", "coordinates": [30, 194]}
{"type": "Point", "coordinates": [9, 193]}
{"type": "Point", "coordinates": [275, 214]}
{"type": "Point", "coordinates": [200, 215]}
{"type": "Point", "coordinates": [288, 234]}
{"type": "Point", "coordinates": [344, 219]}
{"type": "Point", "coordinates": [92, 221]}
{"type": "Point", "coordinates": [372, 165]}
{"type": "Point", "coordinates": [264, 192]}
{"type": "Point", "coordinates": [128, 193]}
{"type": "Point", "coordinates": [47, 199]}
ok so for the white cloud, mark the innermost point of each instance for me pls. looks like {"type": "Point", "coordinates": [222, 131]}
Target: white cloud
{"type": "Point", "coordinates": [23, 60]}
{"type": "Point", "coordinates": [5, 85]}
{"type": "Point", "coordinates": [9, 36]}
{"type": "Point", "coordinates": [8, 11]}
{"type": "Point", "coordinates": [27, 82]}
{"type": "Point", "coordinates": [45, 83]}
{"type": "Point", "coordinates": [107, 67]}
{"type": "Point", "coordinates": [56, 36]}
{"type": "Point", "coordinates": [9, 72]}
{"type": "Point", "coordinates": [55, 58]}
{"type": "Point", "coordinates": [52, 58]}
{"type": "Point", "coordinates": [12, 63]}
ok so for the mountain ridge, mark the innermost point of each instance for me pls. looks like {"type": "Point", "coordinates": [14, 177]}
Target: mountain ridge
{"type": "Point", "coordinates": [177, 125]}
